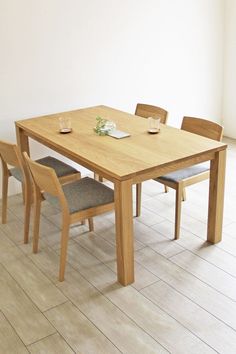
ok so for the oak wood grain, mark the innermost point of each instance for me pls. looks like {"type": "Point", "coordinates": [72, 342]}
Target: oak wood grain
{"type": "Point", "coordinates": [117, 158]}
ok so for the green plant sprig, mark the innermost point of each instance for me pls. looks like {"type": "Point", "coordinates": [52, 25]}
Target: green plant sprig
{"type": "Point", "coordinates": [99, 128]}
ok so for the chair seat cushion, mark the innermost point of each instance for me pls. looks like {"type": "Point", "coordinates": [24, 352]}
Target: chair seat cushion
{"type": "Point", "coordinates": [16, 172]}
{"type": "Point", "coordinates": [83, 194]}
{"type": "Point", "coordinates": [179, 175]}
{"type": "Point", "coordinates": [61, 168]}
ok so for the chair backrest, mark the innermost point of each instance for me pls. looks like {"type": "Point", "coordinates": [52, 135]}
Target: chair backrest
{"type": "Point", "coordinates": [203, 127]}
{"type": "Point", "coordinates": [146, 110]}
{"type": "Point", "coordinates": [9, 154]}
{"type": "Point", "coordinates": [45, 178]}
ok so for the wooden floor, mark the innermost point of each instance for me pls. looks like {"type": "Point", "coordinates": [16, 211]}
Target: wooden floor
{"type": "Point", "coordinates": [183, 299]}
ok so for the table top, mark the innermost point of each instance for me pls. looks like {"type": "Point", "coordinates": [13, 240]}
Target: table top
{"type": "Point", "coordinates": [119, 158]}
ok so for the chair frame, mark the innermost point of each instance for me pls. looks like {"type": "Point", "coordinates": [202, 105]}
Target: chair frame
{"type": "Point", "coordinates": [204, 128]}
{"type": "Point", "coordinates": [146, 111]}
{"type": "Point", "coordinates": [11, 155]}
{"type": "Point", "coordinates": [45, 180]}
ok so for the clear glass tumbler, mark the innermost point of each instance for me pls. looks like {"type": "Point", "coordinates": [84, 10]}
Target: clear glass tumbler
{"type": "Point", "coordinates": [154, 125]}
{"type": "Point", "coordinates": [64, 124]}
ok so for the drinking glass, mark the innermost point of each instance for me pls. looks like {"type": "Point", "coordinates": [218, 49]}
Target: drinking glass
{"type": "Point", "coordinates": [154, 125]}
{"type": "Point", "coordinates": [64, 124]}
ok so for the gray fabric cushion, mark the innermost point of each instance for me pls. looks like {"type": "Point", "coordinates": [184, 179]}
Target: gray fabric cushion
{"type": "Point", "coordinates": [83, 194]}
{"type": "Point", "coordinates": [179, 175]}
{"type": "Point", "coordinates": [16, 172]}
{"type": "Point", "coordinates": [61, 168]}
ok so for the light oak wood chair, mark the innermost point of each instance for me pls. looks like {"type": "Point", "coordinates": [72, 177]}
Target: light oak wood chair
{"type": "Point", "coordinates": [145, 111]}
{"type": "Point", "coordinates": [180, 179]}
{"type": "Point", "coordinates": [78, 200]}
{"type": "Point", "coordinates": [13, 165]}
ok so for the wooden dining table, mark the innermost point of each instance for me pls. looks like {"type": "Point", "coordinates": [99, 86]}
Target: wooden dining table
{"type": "Point", "coordinates": [128, 161]}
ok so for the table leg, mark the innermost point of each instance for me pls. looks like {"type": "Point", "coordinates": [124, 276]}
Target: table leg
{"type": "Point", "coordinates": [216, 197]}
{"type": "Point", "coordinates": [124, 232]}
{"type": "Point", "coordinates": [22, 140]}
{"type": "Point", "coordinates": [23, 144]}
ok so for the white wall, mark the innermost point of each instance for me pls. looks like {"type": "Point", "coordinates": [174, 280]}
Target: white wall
{"type": "Point", "coordinates": [59, 55]}
{"type": "Point", "coordinates": [229, 102]}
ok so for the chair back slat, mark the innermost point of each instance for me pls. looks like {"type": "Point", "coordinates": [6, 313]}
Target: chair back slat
{"type": "Point", "coordinates": [202, 127]}
{"type": "Point", "coordinates": [44, 177]}
{"type": "Point", "coordinates": [146, 110]}
{"type": "Point", "coordinates": [8, 153]}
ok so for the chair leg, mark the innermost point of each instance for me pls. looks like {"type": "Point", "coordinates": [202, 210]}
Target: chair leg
{"type": "Point", "coordinates": [4, 197]}
{"type": "Point", "coordinates": [98, 178]}
{"type": "Point", "coordinates": [91, 226]}
{"type": "Point", "coordinates": [183, 195]}
{"type": "Point", "coordinates": [28, 201]}
{"type": "Point", "coordinates": [166, 189]}
{"type": "Point", "coordinates": [178, 202]}
{"type": "Point", "coordinates": [64, 244]}
{"type": "Point", "coordinates": [138, 198]}
{"type": "Point", "coordinates": [37, 209]}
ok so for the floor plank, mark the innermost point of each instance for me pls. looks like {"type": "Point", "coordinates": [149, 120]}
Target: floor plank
{"type": "Point", "coordinates": [53, 344]}
{"type": "Point", "coordinates": [28, 322]}
{"type": "Point", "coordinates": [208, 273]}
{"type": "Point", "coordinates": [9, 341]}
{"type": "Point", "coordinates": [37, 286]}
{"type": "Point", "coordinates": [78, 331]}
{"type": "Point", "coordinates": [148, 316]}
{"type": "Point", "coordinates": [105, 315]}
{"type": "Point", "coordinates": [193, 317]}
{"type": "Point", "coordinates": [188, 285]}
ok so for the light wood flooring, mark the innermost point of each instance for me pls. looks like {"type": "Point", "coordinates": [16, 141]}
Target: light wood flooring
{"type": "Point", "coordinates": [183, 299]}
